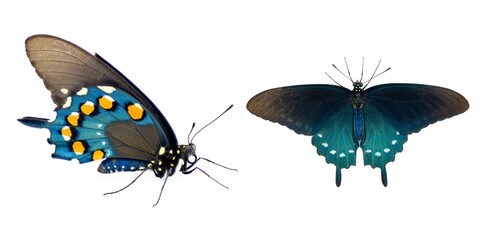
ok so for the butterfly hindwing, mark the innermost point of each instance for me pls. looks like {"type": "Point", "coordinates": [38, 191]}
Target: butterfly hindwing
{"type": "Point", "coordinates": [99, 124]}
{"type": "Point", "coordinates": [121, 165]}
{"type": "Point", "coordinates": [382, 141]}
{"type": "Point", "coordinates": [393, 111]}
{"type": "Point", "coordinates": [334, 141]}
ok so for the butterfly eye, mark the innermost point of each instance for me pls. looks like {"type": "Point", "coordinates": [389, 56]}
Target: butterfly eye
{"type": "Point", "coordinates": [192, 158]}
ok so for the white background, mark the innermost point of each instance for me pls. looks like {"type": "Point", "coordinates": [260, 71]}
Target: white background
{"type": "Point", "coordinates": [193, 59]}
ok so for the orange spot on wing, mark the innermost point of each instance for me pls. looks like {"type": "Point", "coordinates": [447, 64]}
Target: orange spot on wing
{"type": "Point", "coordinates": [87, 108]}
{"type": "Point", "coordinates": [73, 118]}
{"type": "Point", "coordinates": [66, 133]}
{"type": "Point", "coordinates": [135, 111]}
{"type": "Point", "coordinates": [78, 148]}
{"type": "Point", "coordinates": [97, 155]}
{"type": "Point", "coordinates": [106, 102]}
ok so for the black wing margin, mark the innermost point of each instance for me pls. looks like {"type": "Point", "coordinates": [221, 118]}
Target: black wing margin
{"type": "Point", "coordinates": [302, 108]}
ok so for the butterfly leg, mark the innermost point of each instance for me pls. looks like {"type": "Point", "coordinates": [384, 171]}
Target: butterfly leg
{"type": "Point", "coordinates": [190, 169]}
{"type": "Point", "coordinates": [193, 163]}
{"type": "Point", "coordinates": [128, 184]}
{"type": "Point", "coordinates": [161, 190]}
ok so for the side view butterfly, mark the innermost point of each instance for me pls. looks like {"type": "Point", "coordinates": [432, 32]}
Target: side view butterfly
{"type": "Point", "coordinates": [103, 116]}
{"type": "Point", "coordinates": [377, 119]}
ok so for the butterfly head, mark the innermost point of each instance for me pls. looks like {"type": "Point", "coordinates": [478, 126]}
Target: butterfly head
{"type": "Point", "coordinates": [187, 152]}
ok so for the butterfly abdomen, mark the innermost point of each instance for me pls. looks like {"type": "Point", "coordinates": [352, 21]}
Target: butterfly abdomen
{"type": "Point", "coordinates": [358, 124]}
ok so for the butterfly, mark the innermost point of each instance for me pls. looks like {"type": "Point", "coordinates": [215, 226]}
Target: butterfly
{"type": "Point", "coordinates": [102, 116]}
{"type": "Point", "coordinates": [378, 119]}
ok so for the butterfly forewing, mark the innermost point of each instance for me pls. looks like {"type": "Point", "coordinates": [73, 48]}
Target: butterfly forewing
{"type": "Point", "coordinates": [411, 107]}
{"type": "Point", "coordinates": [66, 69]}
{"type": "Point", "coordinates": [302, 108]}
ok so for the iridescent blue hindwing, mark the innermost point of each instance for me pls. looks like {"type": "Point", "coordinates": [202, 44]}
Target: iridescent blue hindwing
{"type": "Point", "coordinates": [382, 141]}
{"type": "Point", "coordinates": [335, 142]}
{"type": "Point", "coordinates": [96, 124]}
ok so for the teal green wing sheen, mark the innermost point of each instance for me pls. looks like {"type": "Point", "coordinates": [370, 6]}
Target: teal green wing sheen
{"type": "Point", "coordinates": [382, 141]}
{"type": "Point", "coordinates": [302, 108]}
{"type": "Point", "coordinates": [334, 141]}
{"type": "Point", "coordinates": [377, 119]}
{"type": "Point", "coordinates": [321, 111]}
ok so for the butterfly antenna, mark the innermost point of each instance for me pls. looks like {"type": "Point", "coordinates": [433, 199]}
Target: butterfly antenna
{"type": "Point", "coordinates": [190, 133]}
{"type": "Point", "coordinates": [374, 76]}
{"type": "Point", "coordinates": [128, 184]}
{"type": "Point", "coordinates": [333, 80]}
{"type": "Point", "coordinates": [161, 190]}
{"type": "Point", "coordinates": [363, 64]}
{"type": "Point", "coordinates": [348, 69]}
{"type": "Point", "coordinates": [341, 72]}
{"type": "Point", "coordinates": [230, 107]}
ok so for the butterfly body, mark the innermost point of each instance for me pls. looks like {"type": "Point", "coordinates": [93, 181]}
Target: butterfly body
{"type": "Point", "coordinates": [377, 119]}
{"type": "Point", "coordinates": [101, 115]}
